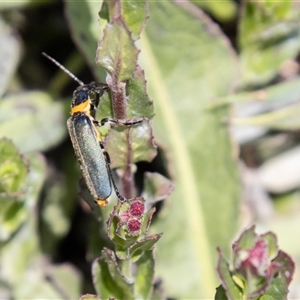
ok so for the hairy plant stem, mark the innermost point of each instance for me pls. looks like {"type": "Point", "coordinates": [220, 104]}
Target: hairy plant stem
{"type": "Point", "coordinates": [119, 103]}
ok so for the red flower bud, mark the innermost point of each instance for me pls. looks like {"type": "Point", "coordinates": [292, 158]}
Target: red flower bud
{"type": "Point", "coordinates": [124, 216]}
{"type": "Point", "coordinates": [137, 209]}
{"type": "Point", "coordinates": [134, 225]}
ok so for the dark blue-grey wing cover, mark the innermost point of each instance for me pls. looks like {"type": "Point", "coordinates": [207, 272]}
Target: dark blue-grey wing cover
{"type": "Point", "coordinates": [90, 156]}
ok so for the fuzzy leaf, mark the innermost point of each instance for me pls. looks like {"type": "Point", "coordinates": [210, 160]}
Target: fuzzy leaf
{"type": "Point", "coordinates": [247, 239]}
{"type": "Point", "coordinates": [183, 81]}
{"type": "Point", "coordinates": [22, 264]}
{"type": "Point", "coordinates": [37, 115]}
{"type": "Point", "coordinates": [288, 266]}
{"type": "Point", "coordinates": [13, 171]}
{"type": "Point", "coordinates": [144, 275]}
{"type": "Point", "coordinates": [117, 231]}
{"type": "Point", "coordinates": [271, 239]}
{"type": "Point", "coordinates": [269, 34]}
{"type": "Point", "coordinates": [116, 51]}
{"type": "Point", "coordinates": [12, 217]}
{"type": "Point", "coordinates": [273, 96]}
{"type": "Point", "coordinates": [13, 168]}
{"type": "Point", "coordinates": [108, 279]}
{"type": "Point", "coordinates": [231, 289]}
{"type": "Point", "coordinates": [156, 188]}
{"type": "Point", "coordinates": [89, 297]}
{"type": "Point", "coordinates": [134, 143]}
{"type": "Point", "coordinates": [136, 140]}
{"type": "Point", "coordinates": [277, 290]}
{"type": "Point", "coordinates": [220, 293]}
{"type": "Point", "coordinates": [145, 244]}
{"type": "Point", "coordinates": [9, 54]}
{"type": "Point", "coordinates": [225, 12]}
{"type": "Point", "coordinates": [138, 104]}
{"type": "Point", "coordinates": [83, 22]}
{"type": "Point", "coordinates": [134, 13]}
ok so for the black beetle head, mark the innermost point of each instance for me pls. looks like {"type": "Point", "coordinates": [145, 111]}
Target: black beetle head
{"type": "Point", "coordinates": [80, 95]}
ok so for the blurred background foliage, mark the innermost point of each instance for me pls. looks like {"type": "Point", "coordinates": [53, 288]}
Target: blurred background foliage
{"type": "Point", "coordinates": [224, 77]}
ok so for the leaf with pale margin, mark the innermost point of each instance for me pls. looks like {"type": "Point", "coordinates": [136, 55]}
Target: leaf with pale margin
{"type": "Point", "coordinates": [269, 34]}
{"type": "Point", "coordinates": [135, 14]}
{"type": "Point", "coordinates": [108, 279]}
{"type": "Point", "coordinates": [13, 171]}
{"type": "Point", "coordinates": [116, 51]}
{"type": "Point", "coordinates": [231, 289]}
{"type": "Point", "coordinates": [224, 13]}
{"type": "Point", "coordinates": [145, 244]}
{"type": "Point", "coordinates": [89, 297]}
{"type": "Point", "coordinates": [156, 188]}
{"type": "Point", "coordinates": [22, 255]}
{"type": "Point", "coordinates": [135, 142]}
{"type": "Point", "coordinates": [183, 80]}
{"type": "Point", "coordinates": [144, 276]}
{"type": "Point", "coordinates": [32, 120]}
{"type": "Point", "coordinates": [83, 22]}
{"type": "Point", "coordinates": [9, 54]}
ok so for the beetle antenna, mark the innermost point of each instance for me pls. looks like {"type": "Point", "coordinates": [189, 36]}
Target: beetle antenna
{"type": "Point", "coordinates": [63, 68]}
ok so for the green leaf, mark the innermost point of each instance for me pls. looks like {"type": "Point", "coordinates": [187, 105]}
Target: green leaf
{"type": "Point", "coordinates": [14, 208]}
{"type": "Point", "coordinates": [13, 171]}
{"type": "Point", "coordinates": [60, 200]}
{"type": "Point", "coordinates": [13, 168]}
{"type": "Point", "coordinates": [156, 188]}
{"type": "Point", "coordinates": [282, 119]}
{"type": "Point", "coordinates": [269, 34]}
{"type": "Point", "coordinates": [284, 94]}
{"type": "Point", "coordinates": [277, 290]}
{"type": "Point", "coordinates": [89, 297]}
{"type": "Point", "coordinates": [22, 264]}
{"type": "Point", "coordinates": [224, 12]}
{"type": "Point", "coordinates": [287, 267]}
{"type": "Point", "coordinates": [271, 239]}
{"type": "Point", "coordinates": [136, 140]}
{"type": "Point", "coordinates": [138, 104]}
{"type": "Point", "coordinates": [277, 95]}
{"type": "Point", "coordinates": [83, 21]}
{"type": "Point", "coordinates": [145, 244]}
{"type": "Point", "coordinates": [144, 275]}
{"type": "Point", "coordinates": [247, 239]}
{"type": "Point", "coordinates": [56, 213]}
{"type": "Point", "coordinates": [220, 293]}
{"type": "Point", "coordinates": [108, 279]}
{"type": "Point", "coordinates": [134, 14]}
{"type": "Point", "coordinates": [134, 143]}
{"type": "Point", "coordinates": [118, 235]}
{"type": "Point", "coordinates": [231, 289]}
{"type": "Point", "coordinates": [9, 54]}
{"type": "Point", "coordinates": [183, 81]}
{"type": "Point", "coordinates": [35, 178]}
{"type": "Point", "coordinates": [127, 246]}
{"type": "Point", "coordinates": [116, 51]}
{"type": "Point", "coordinates": [147, 219]}
{"type": "Point", "coordinates": [12, 217]}
{"type": "Point", "coordinates": [10, 5]}
{"type": "Point", "coordinates": [32, 121]}
{"type": "Point", "coordinates": [66, 279]}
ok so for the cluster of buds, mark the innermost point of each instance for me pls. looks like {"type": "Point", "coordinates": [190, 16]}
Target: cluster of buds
{"type": "Point", "coordinates": [131, 216]}
{"type": "Point", "coordinates": [128, 226]}
{"type": "Point", "coordinates": [258, 268]}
